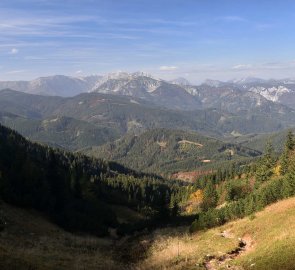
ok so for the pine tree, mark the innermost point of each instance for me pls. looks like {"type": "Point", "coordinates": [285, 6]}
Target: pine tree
{"type": "Point", "coordinates": [284, 161]}
{"type": "Point", "coordinates": [265, 167]}
{"type": "Point", "coordinates": [210, 196]}
{"type": "Point", "coordinates": [290, 143]}
{"type": "Point", "coordinates": [289, 146]}
{"type": "Point", "coordinates": [175, 210]}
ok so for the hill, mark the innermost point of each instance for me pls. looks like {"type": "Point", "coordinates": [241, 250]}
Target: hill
{"type": "Point", "coordinates": [269, 237]}
{"type": "Point", "coordinates": [60, 131]}
{"type": "Point", "coordinates": [129, 114]}
{"type": "Point", "coordinates": [84, 195]}
{"type": "Point", "coordinates": [42, 245]}
{"type": "Point", "coordinates": [170, 151]}
{"type": "Point", "coordinates": [58, 85]}
{"type": "Point", "coordinates": [77, 192]}
{"type": "Point", "coordinates": [257, 141]}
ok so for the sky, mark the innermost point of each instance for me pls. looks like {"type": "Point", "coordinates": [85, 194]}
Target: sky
{"type": "Point", "coordinates": [194, 39]}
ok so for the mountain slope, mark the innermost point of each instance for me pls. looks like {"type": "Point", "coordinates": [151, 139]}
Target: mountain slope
{"type": "Point", "coordinates": [75, 191]}
{"type": "Point", "coordinates": [58, 85]}
{"type": "Point", "coordinates": [30, 241]}
{"type": "Point", "coordinates": [128, 114]}
{"type": "Point", "coordinates": [175, 94]}
{"type": "Point", "coordinates": [60, 131]}
{"type": "Point", "coordinates": [269, 236]}
{"type": "Point", "coordinates": [28, 105]}
{"type": "Point", "coordinates": [279, 91]}
{"type": "Point", "coordinates": [143, 86]}
{"type": "Point", "coordinates": [168, 151]}
{"type": "Point", "coordinates": [258, 141]}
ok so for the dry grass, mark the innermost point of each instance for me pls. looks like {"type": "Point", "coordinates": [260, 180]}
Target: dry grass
{"type": "Point", "coordinates": [190, 142]}
{"type": "Point", "coordinates": [271, 238]}
{"type": "Point", "coordinates": [177, 249]}
{"type": "Point", "coordinates": [31, 242]}
{"type": "Point", "coordinates": [162, 144]}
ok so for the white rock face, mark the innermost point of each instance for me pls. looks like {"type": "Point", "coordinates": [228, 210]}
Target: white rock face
{"type": "Point", "coordinates": [116, 82]}
{"type": "Point", "coordinates": [272, 93]}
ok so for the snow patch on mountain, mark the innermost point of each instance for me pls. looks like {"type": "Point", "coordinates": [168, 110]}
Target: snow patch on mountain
{"type": "Point", "coordinates": [191, 90]}
{"type": "Point", "coordinates": [115, 82]}
{"type": "Point", "coordinates": [271, 93]}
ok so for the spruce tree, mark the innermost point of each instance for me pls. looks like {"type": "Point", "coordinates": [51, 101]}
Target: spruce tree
{"type": "Point", "coordinates": [210, 196]}
{"type": "Point", "coordinates": [289, 146]}
{"type": "Point", "coordinates": [290, 143]}
{"type": "Point", "coordinates": [265, 166]}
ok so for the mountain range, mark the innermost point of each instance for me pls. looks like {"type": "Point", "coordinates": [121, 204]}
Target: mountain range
{"type": "Point", "coordinates": [175, 94]}
{"type": "Point", "coordinates": [125, 106]}
{"type": "Point", "coordinates": [134, 115]}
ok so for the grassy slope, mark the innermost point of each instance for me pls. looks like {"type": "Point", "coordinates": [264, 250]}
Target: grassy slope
{"type": "Point", "coordinates": [30, 242]}
{"type": "Point", "coordinates": [271, 233]}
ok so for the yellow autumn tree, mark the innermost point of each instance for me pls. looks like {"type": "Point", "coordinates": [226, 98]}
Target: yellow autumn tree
{"type": "Point", "coordinates": [195, 199]}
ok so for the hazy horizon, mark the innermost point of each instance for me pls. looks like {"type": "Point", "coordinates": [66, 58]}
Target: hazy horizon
{"type": "Point", "coordinates": [168, 77]}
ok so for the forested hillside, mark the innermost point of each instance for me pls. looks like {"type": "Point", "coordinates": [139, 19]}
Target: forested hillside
{"type": "Point", "coordinates": [83, 194]}
{"type": "Point", "coordinates": [133, 115]}
{"type": "Point", "coordinates": [168, 151]}
{"type": "Point", "coordinates": [76, 191]}
{"type": "Point", "coordinates": [257, 141]}
{"type": "Point", "coordinates": [60, 131]}
{"type": "Point", "coordinates": [266, 181]}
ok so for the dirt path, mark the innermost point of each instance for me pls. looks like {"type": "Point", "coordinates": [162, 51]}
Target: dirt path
{"type": "Point", "coordinates": [212, 262]}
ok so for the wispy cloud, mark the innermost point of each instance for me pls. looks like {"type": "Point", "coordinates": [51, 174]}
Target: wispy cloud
{"type": "Point", "coordinates": [14, 51]}
{"type": "Point", "coordinates": [264, 66]}
{"type": "Point", "coordinates": [233, 18]}
{"type": "Point", "coordinates": [16, 71]}
{"type": "Point", "coordinates": [242, 67]}
{"type": "Point", "coordinates": [168, 68]}
{"type": "Point", "coordinates": [264, 26]}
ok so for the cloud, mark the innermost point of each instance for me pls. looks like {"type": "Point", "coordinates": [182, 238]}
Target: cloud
{"type": "Point", "coordinates": [264, 66]}
{"type": "Point", "coordinates": [15, 71]}
{"type": "Point", "coordinates": [264, 26]}
{"type": "Point", "coordinates": [232, 19]}
{"type": "Point", "coordinates": [168, 68]}
{"type": "Point", "coordinates": [78, 72]}
{"type": "Point", "coordinates": [14, 51]}
{"type": "Point", "coordinates": [242, 67]}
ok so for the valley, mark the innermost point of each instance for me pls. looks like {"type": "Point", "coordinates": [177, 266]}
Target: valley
{"type": "Point", "coordinates": [50, 200]}
{"type": "Point", "coordinates": [147, 135]}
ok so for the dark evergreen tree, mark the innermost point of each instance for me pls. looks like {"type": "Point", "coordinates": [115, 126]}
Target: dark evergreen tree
{"type": "Point", "coordinates": [284, 159]}
{"type": "Point", "coordinates": [210, 196]}
{"type": "Point", "coordinates": [265, 166]}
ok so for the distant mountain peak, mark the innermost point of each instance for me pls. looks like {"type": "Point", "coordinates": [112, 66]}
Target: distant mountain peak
{"type": "Point", "coordinates": [213, 83]}
{"type": "Point", "coordinates": [247, 80]}
{"type": "Point", "coordinates": [180, 81]}
{"type": "Point", "coordinates": [127, 75]}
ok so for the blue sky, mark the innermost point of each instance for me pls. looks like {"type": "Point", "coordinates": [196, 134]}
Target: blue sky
{"type": "Point", "coordinates": [195, 39]}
